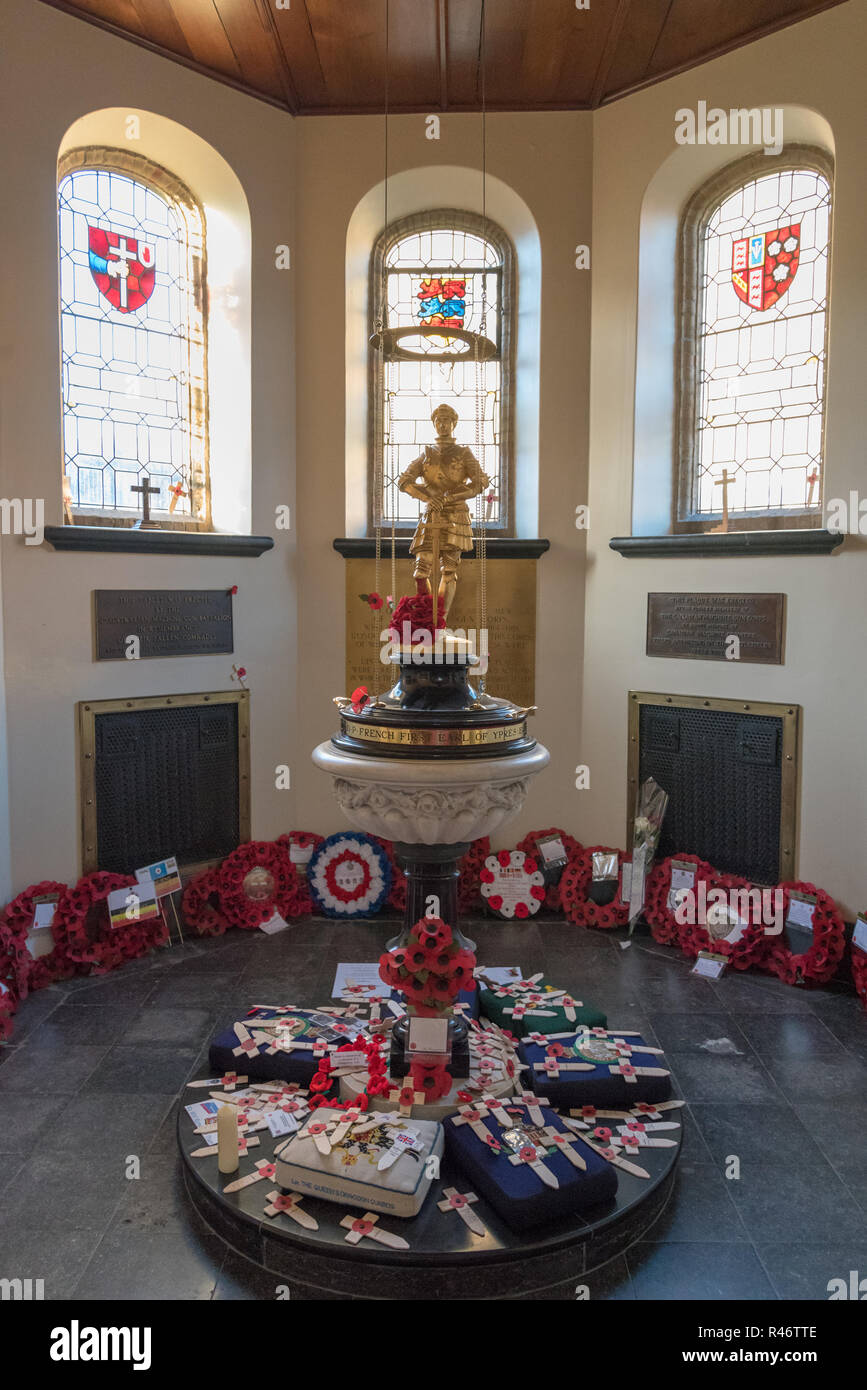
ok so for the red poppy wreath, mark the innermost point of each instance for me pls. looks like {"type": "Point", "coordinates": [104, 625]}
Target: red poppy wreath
{"type": "Point", "coordinates": [659, 907]}
{"type": "Point", "coordinates": [469, 883]}
{"type": "Point", "coordinates": [33, 972]}
{"type": "Point", "coordinates": [859, 973]}
{"type": "Point", "coordinates": [87, 936]}
{"type": "Point", "coordinates": [733, 923]}
{"type": "Point", "coordinates": [816, 965]}
{"type": "Point", "coordinates": [301, 845]}
{"type": "Point", "coordinates": [255, 881]}
{"type": "Point", "coordinates": [200, 905]}
{"type": "Point", "coordinates": [529, 844]}
{"type": "Point", "coordinates": [512, 884]}
{"type": "Point", "coordinates": [575, 892]}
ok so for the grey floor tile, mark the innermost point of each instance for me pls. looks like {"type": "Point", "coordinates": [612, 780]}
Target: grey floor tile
{"type": "Point", "coordinates": [155, 1069]}
{"type": "Point", "coordinates": [700, 1206]}
{"type": "Point", "coordinates": [713, 1077]}
{"type": "Point", "coordinates": [57, 1191]}
{"type": "Point", "coordinates": [798, 1036]}
{"type": "Point", "coordinates": [187, 1026]}
{"type": "Point", "coordinates": [702, 1271]}
{"type": "Point", "coordinates": [841, 1078]}
{"type": "Point", "coordinates": [25, 1119]}
{"type": "Point", "coordinates": [687, 1032]}
{"type": "Point", "coordinates": [772, 1198]}
{"type": "Point", "coordinates": [812, 1270]}
{"type": "Point", "coordinates": [51, 1066]}
{"type": "Point", "coordinates": [109, 1122]}
{"type": "Point", "coordinates": [754, 1135]}
{"type": "Point", "coordinates": [56, 1256]}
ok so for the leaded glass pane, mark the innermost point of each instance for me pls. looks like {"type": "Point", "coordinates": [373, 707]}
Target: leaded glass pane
{"type": "Point", "coordinates": [127, 330]}
{"type": "Point", "coordinates": [761, 346]}
{"type": "Point", "coordinates": [451, 278]}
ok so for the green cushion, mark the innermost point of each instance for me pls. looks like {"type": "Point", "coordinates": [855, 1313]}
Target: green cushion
{"type": "Point", "coordinates": [493, 1005]}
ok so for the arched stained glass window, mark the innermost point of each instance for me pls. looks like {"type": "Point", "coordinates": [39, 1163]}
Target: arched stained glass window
{"type": "Point", "coordinates": [754, 344]}
{"type": "Point", "coordinates": [133, 338]}
{"type": "Point", "coordinates": [445, 270]}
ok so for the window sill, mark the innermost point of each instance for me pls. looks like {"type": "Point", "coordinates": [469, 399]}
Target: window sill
{"type": "Point", "coordinates": [804, 541]}
{"type": "Point", "coordinates": [498, 547]}
{"type": "Point", "coordinates": [153, 542]}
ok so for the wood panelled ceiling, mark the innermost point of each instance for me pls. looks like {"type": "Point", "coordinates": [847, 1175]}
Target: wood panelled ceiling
{"type": "Point", "coordinates": [319, 57]}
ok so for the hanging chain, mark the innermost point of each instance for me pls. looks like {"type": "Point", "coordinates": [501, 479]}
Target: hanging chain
{"type": "Point", "coordinates": [481, 383]}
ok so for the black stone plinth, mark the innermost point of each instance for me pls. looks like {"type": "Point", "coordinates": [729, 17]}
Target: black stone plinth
{"type": "Point", "coordinates": [445, 1260]}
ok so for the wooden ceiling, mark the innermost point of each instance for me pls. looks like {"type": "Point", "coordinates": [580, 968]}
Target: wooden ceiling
{"type": "Point", "coordinates": [320, 57]}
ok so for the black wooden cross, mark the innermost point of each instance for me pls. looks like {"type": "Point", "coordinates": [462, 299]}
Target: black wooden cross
{"type": "Point", "coordinates": [146, 490]}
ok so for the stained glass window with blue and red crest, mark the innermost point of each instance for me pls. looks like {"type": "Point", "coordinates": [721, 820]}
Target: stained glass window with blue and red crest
{"type": "Point", "coordinates": [756, 349]}
{"type": "Point", "coordinates": [132, 342]}
{"type": "Point", "coordinates": [435, 272]}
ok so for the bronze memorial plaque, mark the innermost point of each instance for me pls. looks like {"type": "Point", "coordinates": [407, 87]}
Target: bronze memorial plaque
{"type": "Point", "coordinates": [702, 626]}
{"type": "Point", "coordinates": [167, 622]}
{"type": "Point", "coordinates": [511, 623]}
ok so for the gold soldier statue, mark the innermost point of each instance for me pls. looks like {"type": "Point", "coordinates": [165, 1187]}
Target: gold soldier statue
{"type": "Point", "coordinates": [444, 477]}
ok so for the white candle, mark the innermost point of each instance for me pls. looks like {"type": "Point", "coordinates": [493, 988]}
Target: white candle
{"type": "Point", "coordinates": [227, 1139]}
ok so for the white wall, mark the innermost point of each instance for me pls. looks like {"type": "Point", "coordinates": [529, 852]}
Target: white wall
{"type": "Point", "coordinates": [56, 69]}
{"type": "Point", "coordinates": [815, 64]}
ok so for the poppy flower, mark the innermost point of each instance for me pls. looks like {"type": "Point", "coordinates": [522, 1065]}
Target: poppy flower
{"type": "Point", "coordinates": [504, 858]}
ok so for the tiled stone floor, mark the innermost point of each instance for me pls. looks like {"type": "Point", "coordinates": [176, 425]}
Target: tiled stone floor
{"type": "Point", "coordinates": [95, 1067]}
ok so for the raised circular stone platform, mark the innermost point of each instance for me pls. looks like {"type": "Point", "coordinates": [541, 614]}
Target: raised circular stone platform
{"type": "Point", "coordinates": [445, 1259]}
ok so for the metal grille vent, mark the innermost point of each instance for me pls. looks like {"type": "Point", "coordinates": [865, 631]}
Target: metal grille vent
{"type": "Point", "coordinates": [166, 782]}
{"type": "Point", "coordinates": [723, 774]}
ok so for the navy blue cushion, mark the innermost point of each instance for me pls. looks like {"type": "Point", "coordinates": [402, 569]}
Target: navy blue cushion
{"type": "Point", "coordinates": [514, 1190]}
{"type": "Point", "coordinates": [597, 1087]}
{"type": "Point", "coordinates": [299, 1066]}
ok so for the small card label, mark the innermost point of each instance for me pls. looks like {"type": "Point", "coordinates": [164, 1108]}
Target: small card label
{"type": "Point", "coordinates": [636, 885]}
{"type": "Point", "coordinates": [129, 906]}
{"type": "Point", "coordinates": [274, 924]}
{"type": "Point", "coordinates": [859, 935]}
{"type": "Point", "coordinates": [352, 1060]}
{"type": "Point", "coordinates": [801, 909]}
{"type": "Point", "coordinates": [709, 965]}
{"type": "Point", "coordinates": [164, 875]}
{"type": "Point", "coordinates": [428, 1037]}
{"type": "Point", "coordinates": [625, 881]}
{"type": "Point", "coordinates": [682, 881]}
{"type": "Point", "coordinates": [552, 849]}
{"type": "Point", "coordinates": [279, 1122]}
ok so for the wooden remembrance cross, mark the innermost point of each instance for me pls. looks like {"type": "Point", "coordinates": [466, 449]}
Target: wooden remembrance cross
{"type": "Point", "coordinates": [147, 491]}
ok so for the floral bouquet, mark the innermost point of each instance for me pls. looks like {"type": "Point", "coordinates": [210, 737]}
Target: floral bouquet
{"type": "Point", "coordinates": [650, 809]}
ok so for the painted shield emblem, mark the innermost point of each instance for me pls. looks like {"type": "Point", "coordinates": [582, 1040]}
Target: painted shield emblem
{"type": "Point", "coordinates": [764, 265]}
{"type": "Point", "coordinates": [123, 267]}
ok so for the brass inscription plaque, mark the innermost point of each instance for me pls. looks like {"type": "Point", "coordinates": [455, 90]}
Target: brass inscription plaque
{"type": "Point", "coordinates": [702, 626]}
{"type": "Point", "coordinates": [167, 622]}
{"type": "Point", "coordinates": [511, 623]}
{"type": "Point", "coordinates": [433, 738]}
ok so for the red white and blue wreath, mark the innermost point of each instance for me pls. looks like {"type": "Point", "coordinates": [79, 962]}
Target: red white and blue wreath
{"type": "Point", "coordinates": [349, 876]}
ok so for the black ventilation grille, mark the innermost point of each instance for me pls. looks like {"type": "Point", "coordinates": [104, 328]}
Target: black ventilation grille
{"type": "Point", "coordinates": [722, 772]}
{"type": "Point", "coordinates": [166, 783]}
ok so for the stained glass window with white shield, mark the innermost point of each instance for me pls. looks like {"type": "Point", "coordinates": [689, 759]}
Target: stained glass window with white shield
{"type": "Point", "coordinates": [132, 347]}
{"type": "Point", "coordinates": [760, 345]}
{"type": "Point", "coordinates": [441, 275]}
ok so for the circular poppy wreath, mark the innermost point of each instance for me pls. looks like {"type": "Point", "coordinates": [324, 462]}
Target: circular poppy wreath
{"type": "Point", "coordinates": [200, 905]}
{"type": "Point", "coordinates": [112, 945]}
{"type": "Point", "coordinates": [859, 973]}
{"type": "Point", "coordinates": [349, 876]}
{"type": "Point", "coordinates": [397, 892]}
{"type": "Point", "coordinates": [29, 972]}
{"type": "Point", "coordinates": [574, 888]}
{"type": "Point", "coordinates": [527, 902]}
{"type": "Point", "coordinates": [553, 896]}
{"type": "Point", "coordinates": [664, 926]}
{"type": "Point", "coordinates": [277, 884]}
{"type": "Point", "coordinates": [752, 945]}
{"type": "Point", "coordinates": [8, 1007]}
{"type": "Point", "coordinates": [819, 963]}
{"type": "Point", "coordinates": [469, 883]}
{"type": "Point", "coordinates": [301, 844]}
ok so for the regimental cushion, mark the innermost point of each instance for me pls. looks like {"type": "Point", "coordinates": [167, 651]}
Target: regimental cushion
{"type": "Point", "coordinates": [517, 1190]}
{"type": "Point", "coordinates": [344, 1167]}
{"type": "Point", "coordinates": [535, 1014]}
{"type": "Point", "coordinates": [595, 1068]}
{"type": "Point", "coordinates": [266, 1062]}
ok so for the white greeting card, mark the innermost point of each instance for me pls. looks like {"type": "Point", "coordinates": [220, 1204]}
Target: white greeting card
{"type": "Point", "coordinates": [708, 965]}
{"type": "Point", "coordinates": [801, 911]}
{"type": "Point", "coordinates": [362, 977]}
{"type": "Point", "coordinates": [859, 935]}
